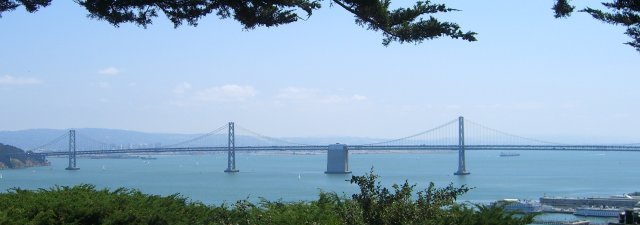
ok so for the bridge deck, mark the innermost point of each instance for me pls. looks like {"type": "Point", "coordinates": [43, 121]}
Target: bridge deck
{"type": "Point", "coordinates": [358, 148]}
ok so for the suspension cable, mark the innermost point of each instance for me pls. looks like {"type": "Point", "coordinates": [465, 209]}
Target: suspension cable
{"type": "Point", "coordinates": [197, 138]}
{"type": "Point", "coordinates": [270, 138]}
{"type": "Point", "coordinates": [513, 135]}
{"type": "Point", "coordinates": [55, 140]}
{"type": "Point", "coordinates": [415, 135]}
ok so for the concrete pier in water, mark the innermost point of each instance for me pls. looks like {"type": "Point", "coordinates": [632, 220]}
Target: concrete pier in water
{"type": "Point", "coordinates": [338, 159]}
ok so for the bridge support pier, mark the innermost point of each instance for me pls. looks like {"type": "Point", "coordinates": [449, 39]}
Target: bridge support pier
{"type": "Point", "coordinates": [462, 169]}
{"type": "Point", "coordinates": [338, 159]}
{"type": "Point", "coordinates": [231, 150]}
{"type": "Point", "coordinates": [72, 151]}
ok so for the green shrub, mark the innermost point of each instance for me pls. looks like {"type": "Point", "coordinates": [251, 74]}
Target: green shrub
{"type": "Point", "coordinates": [374, 204]}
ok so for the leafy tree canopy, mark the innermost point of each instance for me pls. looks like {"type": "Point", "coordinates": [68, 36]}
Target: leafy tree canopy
{"type": "Point", "coordinates": [621, 12]}
{"type": "Point", "coordinates": [400, 25]}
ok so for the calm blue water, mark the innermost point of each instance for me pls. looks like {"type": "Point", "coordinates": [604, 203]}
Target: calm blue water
{"type": "Point", "coordinates": [300, 177]}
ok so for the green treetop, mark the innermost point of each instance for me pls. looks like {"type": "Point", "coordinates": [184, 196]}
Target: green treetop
{"type": "Point", "coordinates": [412, 24]}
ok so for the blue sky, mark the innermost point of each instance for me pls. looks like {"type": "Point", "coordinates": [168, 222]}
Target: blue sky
{"type": "Point", "coordinates": [529, 74]}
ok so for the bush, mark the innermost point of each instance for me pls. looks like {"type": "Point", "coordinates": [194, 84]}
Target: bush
{"type": "Point", "coordinates": [374, 204]}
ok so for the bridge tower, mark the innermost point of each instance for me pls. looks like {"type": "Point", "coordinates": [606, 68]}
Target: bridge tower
{"type": "Point", "coordinates": [231, 150]}
{"type": "Point", "coordinates": [72, 151]}
{"type": "Point", "coordinates": [462, 170]}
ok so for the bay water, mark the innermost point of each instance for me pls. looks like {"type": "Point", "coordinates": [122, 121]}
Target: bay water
{"type": "Point", "coordinates": [294, 177]}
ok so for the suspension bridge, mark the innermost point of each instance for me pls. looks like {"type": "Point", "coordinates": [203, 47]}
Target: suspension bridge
{"type": "Point", "coordinates": [454, 135]}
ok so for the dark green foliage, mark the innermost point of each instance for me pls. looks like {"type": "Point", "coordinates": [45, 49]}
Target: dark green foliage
{"type": "Point", "coordinates": [562, 8]}
{"type": "Point", "coordinates": [84, 204]}
{"type": "Point", "coordinates": [402, 25]}
{"type": "Point", "coordinates": [29, 5]}
{"type": "Point", "coordinates": [381, 206]}
{"type": "Point", "coordinates": [623, 12]}
{"type": "Point", "coordinates": [249, 13]}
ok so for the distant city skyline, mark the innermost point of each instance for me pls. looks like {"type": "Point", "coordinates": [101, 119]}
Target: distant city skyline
{"type": "Point", "coordinates": [529, 74]}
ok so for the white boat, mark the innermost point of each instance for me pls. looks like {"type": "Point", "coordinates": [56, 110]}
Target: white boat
{"type": "Point", "coordinates": [599, 212]}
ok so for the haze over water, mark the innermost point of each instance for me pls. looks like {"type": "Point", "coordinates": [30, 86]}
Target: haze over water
{"type": "Point", "coordinates": [300, 177]}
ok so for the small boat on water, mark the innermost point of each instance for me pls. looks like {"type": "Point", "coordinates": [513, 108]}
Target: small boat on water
{"type": "Point", "coordinates": [509, 154]}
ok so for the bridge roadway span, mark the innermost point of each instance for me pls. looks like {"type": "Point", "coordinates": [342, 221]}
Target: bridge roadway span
{"type": "Point", "coordinates": [337, 154]}
{"type": "Point", "coordinates": [620, 148]}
